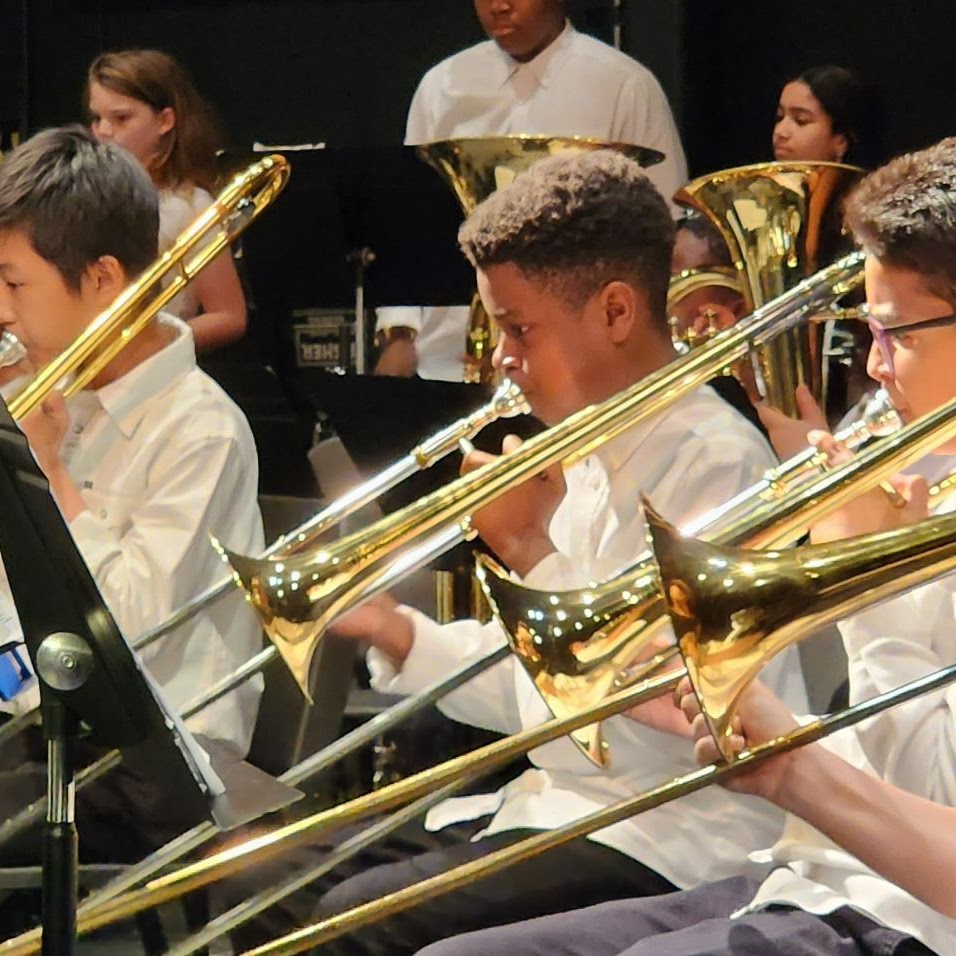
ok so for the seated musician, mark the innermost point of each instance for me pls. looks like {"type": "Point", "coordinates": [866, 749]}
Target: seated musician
{"type": "Point", "coordinates": [572, 262]}
{"type": "Point", "coordinates": [144, 464]}
{"type": "Point", "coordinates": [821, 900]}
{"type": "Point", "coordinates": [534, 74]}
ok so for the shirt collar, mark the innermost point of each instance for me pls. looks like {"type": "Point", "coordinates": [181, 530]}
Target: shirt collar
{"type": "Point", "coordinates": [125, 400]}
{"type": "Point", "coordinates": [544, 67]}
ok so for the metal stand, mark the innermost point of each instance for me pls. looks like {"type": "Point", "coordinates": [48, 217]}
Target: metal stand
{"type": "Point", "coordinates": [362, 258]}
{"type": "Point", "coordinates": [87, 676]}
{"type": "Point", "coordinates": [617, 23]}
{"type": "Point", "coordinates": [60, 851]}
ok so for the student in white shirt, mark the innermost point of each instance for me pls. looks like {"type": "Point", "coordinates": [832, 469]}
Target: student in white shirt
{"type": "Point", "coordinates": [145, 463]}
{"type": "Point", "coordinates": [572, 262]}
{"type": "Point", "coordinates": [820, 900]}
{"type": "Point", "coordinates": [535, 74]}
{"type": "Point", "coordinates": [144, 101]}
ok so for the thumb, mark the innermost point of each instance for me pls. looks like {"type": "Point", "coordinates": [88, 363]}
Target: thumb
{"type": "Point", "coordinates": [511, 443]}
{"type": "Point", "coordinates": [809, 411]}
{"type": "Point", "coordinates": [915, 490]}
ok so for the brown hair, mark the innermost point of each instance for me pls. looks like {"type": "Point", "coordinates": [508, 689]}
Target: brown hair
{"type": "Point", "coordinates": [575, 222]}
{"type": "Point", "coordinates": [904, 214]}
{"type": "Point", "coordinates": [77, 200]}
{"type": "Point", "coordinates": [188, 151]}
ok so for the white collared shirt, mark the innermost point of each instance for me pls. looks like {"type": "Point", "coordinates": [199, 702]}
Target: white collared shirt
{"type": "Point", "coordinates": [577, 86]}
{"type": "Point", "coordinates": [912, 746]}
{"type": "Point", "coordinates": [692, 457]}
{"type": "Point", "coordinates": [180, 207]}
{"type": "Point", "coordinates": [163, 458]}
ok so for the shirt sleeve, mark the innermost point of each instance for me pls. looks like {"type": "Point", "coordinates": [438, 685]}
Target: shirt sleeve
{"type": "Point", "coordinates": [912, 745]}
{"type": "Point", "coordinates": [419, 128]}
{"type": "Point", "coordinates": [150, 566]}
{"type": "Point", "coordinates": [488, 700]}
{"type": "Point", "coordinates": [643, 116]}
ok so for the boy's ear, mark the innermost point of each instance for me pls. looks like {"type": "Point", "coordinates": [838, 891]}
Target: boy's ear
{"type": "Point", "coordinates": [104, 279]}
{"type": "Point", "coordinates": [620, 305]}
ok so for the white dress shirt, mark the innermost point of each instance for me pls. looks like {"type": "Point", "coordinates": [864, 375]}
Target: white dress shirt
{"type": "Point", "coordinates": [912, 746]}
{"type": "Point", "coordinates": [179, 208]}
{"type": "Point", "coordinates": [163, 458]}
{"type": "Point", "coordinates": [692, 457]}
{"type": "Point", "coordinates": [577, 86]}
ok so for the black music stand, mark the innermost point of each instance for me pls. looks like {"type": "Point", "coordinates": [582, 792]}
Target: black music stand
{"type": "Point", "coordinates": [89, 678]}
{"type": "Point", "coordinates": [381, 418]}
{"type": "Point", "coordinates": [340, 200]}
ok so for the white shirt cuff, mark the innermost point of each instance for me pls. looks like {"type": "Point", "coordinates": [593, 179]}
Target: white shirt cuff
{"type": "Point", "coordinates": [437, 650]}
{"type": "Point", "coordinates": [399, 316]}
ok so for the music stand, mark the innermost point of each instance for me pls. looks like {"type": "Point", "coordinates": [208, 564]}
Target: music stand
{"type": "Point", "coordinates": [88, 678]}
{"type": "Point", "coordinates": [381, 418]}
{"type": "Point", "coordinates": [341, 200]}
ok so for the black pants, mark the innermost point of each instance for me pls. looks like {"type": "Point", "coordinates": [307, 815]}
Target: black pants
{"type": "Point", "coordinates": [693, 923]}
{"type": "Point", "coordinates": [578, 874]}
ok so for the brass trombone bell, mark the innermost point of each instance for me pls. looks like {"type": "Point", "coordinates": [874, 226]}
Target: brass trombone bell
{"type": "Point", "coordinates": [733, 609]}
{"type": "Point", "coordinates": [579, 645]}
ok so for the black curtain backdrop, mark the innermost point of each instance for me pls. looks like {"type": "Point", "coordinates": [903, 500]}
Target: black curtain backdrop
{"type": "Point", "coordinates": [343, 71]}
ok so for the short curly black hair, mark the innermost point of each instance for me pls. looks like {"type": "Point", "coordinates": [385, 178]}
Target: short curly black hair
{"type": "Point", "coordinates": [575, 222]}
{"type": "Point", "coordinates": [904, 214]}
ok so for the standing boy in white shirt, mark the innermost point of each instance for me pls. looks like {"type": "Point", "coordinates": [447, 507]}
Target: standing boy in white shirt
{"type": "Point", "coordinates": [535, 74]}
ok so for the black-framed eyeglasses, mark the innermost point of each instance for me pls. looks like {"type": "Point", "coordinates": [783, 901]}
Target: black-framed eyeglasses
{"type": "Point", "coordinates": [883, 336]}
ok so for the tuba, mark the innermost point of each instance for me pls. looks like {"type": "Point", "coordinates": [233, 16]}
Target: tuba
{"type": "Point", "coordinates": [781, 223]}
{"type": "Point", "coordinates": [474, 169]}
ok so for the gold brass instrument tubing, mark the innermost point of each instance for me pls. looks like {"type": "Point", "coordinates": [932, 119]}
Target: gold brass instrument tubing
{"type": "Point", "coordinates": [309, 768]}
{"type": "Point", "coordinates": [254, 905]}
{"type": "Point", "coordinates": [298, 597]}
{"type": "Point", "coordinates": [269, 845]}
{"type": "Point", "coordinates": [576, 645]}
{"type": "Point", "coordinates": [243, 199]}
{"type": "Point", "coordinates": [310, 936]}
{"type": "Point", "coordinates": [779, 222]}
{"type": "Point", "coordinates": [751, 606]}
{"type": "Point", "coordinates": [506, 402]}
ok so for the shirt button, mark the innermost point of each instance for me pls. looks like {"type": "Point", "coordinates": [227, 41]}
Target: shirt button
{"type": "Point", "coordinates": [77, 429]}
{"type": "Point", "coordinates": [102, 512]}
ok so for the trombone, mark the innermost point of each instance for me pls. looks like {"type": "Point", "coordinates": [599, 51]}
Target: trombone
{"type": "Point", "coordinates": [833, 580]}
{"type": "Point", "coordinates": [506, 402]}
{"type": "Point", "coordinates": [880, 419]}
{"type": "Point", "coordinates": [839, 484]}
{"type": "Point", "coordinates": [749, 606]}
{"type": "Point", "coordinates": [297, 597]}
{"type": "Point", "coordinates": [242, 200]}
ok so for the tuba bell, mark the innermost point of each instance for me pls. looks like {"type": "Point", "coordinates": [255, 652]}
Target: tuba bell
{"type": "Point", "coordinates": [781, 223]}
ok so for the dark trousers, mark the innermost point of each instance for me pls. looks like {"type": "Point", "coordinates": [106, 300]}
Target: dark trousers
{"type": "Point", "coordinates": [693, 923]}
{"type": "Point", "coordinates": [577, 874]}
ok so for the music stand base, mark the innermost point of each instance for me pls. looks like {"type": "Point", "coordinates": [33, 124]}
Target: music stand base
{"type": "Point", "coordinates": [60, 845]}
